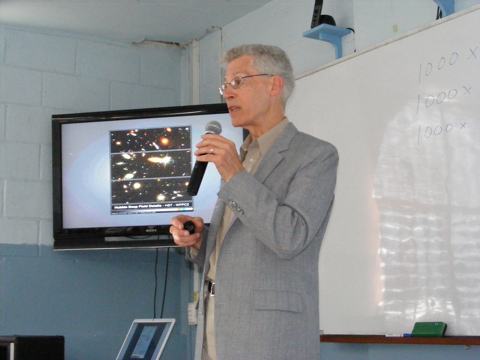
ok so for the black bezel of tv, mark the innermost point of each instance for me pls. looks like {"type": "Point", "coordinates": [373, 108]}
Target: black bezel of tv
{"type": "Point", "coordinates": [136, 236]}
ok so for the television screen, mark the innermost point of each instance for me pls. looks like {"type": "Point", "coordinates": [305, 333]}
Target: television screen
{"type": "Point", "coordinates": [120, 176]}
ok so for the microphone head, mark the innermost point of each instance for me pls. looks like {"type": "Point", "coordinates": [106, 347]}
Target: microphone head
{"type": "Point", "coordinates": [213, 127]}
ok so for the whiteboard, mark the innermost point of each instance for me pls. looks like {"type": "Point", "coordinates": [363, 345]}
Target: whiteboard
{"type": "Point", "coordinates": [403, 243]}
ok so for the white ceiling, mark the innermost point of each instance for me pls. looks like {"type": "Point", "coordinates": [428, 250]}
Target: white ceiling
{"type": "Point", "coordinates": [128, 20]}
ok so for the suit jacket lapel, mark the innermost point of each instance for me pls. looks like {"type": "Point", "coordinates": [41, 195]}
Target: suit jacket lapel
{"type": "Point", "coordinates": [271, 160]}
{"type": "Point", "coordinates": [274, 156]}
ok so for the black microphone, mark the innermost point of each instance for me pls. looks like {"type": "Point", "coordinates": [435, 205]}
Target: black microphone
{"type": "Point", "coordinates": [213, 127]}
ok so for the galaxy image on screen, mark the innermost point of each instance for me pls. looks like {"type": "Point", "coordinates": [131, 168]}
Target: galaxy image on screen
{"type": "Point", "coordinates": [150, 170]}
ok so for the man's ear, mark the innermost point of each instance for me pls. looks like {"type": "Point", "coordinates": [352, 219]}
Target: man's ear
{"type": "Point", "coordinates": [277, 86]}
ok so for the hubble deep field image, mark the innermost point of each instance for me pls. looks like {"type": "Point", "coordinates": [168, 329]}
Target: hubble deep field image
{"type": "Point", "coordinates": [150, 167]}
{"type": "Point", "coordinates": [154, 164]}
{"type": "Point", "coordinates": [154, 194]}
{"type": "Point", "coordinates": [138, 140]}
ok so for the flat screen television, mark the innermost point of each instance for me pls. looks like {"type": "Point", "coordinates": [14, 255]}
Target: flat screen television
{"type": "Point", "coordinates": [120, 176]}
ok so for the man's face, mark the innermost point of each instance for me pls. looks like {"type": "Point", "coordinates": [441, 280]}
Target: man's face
{"type": "Point", "coordinates": [251, 101]}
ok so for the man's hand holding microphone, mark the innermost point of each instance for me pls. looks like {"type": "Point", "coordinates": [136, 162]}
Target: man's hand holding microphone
{"type": "Point", "coordinates": [187, 230]}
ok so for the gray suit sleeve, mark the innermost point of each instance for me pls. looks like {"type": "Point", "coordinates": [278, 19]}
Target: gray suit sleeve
{"type": "Point", "coordinates": [289, 225]}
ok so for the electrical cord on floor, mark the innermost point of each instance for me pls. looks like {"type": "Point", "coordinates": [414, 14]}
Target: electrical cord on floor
{"type": "Point", "coordinates": [155, 273]}
{"type": "Point", "coordinates": [439, 13]}
{"type": "Point", "coordinates": [165, 282]}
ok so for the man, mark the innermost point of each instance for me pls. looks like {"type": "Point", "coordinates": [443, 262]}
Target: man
{"type": "Point", "coordinates": [260, 253]}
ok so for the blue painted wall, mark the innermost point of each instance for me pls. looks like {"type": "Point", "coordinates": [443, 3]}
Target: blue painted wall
{"type": "Point", "coordinates": [91, 297]}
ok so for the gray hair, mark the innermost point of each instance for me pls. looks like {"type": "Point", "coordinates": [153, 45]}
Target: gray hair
{"type": "Point", "coordinates": [267, 59]}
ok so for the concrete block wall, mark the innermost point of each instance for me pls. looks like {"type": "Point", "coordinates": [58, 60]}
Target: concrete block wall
{"type": "Point", "coordinates": [89, 297]}
{"type": "Point", "coordinates": [42, 74]}
{"type": "Point", "coordinates": [209, 62]}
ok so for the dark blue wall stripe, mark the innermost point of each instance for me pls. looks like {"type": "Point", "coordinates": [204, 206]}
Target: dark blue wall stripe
{"type": "Point", "coordinates": [91, 297]}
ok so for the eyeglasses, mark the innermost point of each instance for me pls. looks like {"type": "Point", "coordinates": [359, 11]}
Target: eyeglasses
{"type": "Point", "coordinates": [236, 82]}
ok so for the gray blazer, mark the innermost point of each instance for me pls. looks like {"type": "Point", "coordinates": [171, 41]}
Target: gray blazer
{"type": "Point", "coordinates": [266, 295]}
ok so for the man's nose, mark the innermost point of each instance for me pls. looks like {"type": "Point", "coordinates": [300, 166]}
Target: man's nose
{"type": "Point", "coordinates": [228, 92]}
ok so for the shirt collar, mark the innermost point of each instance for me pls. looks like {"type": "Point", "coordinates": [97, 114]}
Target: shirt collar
{"type": "Point", "coordinates": [265, 141]}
